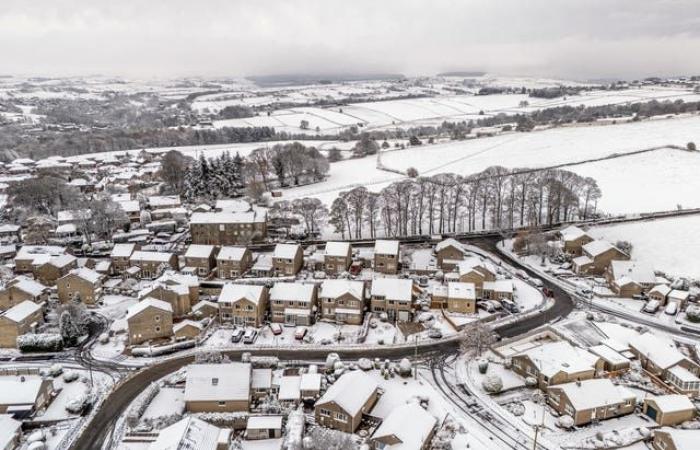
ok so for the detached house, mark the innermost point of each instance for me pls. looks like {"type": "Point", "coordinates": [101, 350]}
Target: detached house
{"type": "Point", "coordinates": [201, 258]}
{"type": "Point", "coordinates": [218, 387]}
{"type": "Point", "coordinates": [342, 301]}
{"type": "Point", "coordinates": [589, 400]}
{"type": "Point", "coordinates": [573, 239]}
{"type": "Point", "coordinates": [407, 426]}
{"type": "Point", "coordinates": [18, 320]}
{"type": "Point", "coordinates": [596, 257]}
{"type": "Point", "coordinates": [243, 304]}
{"type": "Point", "coordinates": [629, 278]}
{"type": "Point", "coordinates": [287, 259]}
{"type": "Point", "coordinates": [386, 256]}
{"type": "Point", "coordinates": [120, 255]}
{"type": "Point", "coordinates": [152, 264]}
{"type": "Point", "coordinates": [149, 319]}
{"type": "Point", "coordinates": [30, 256]}
{"type": "Point", "coordinates": [344, 403]}
{"type": "Point", "coordinates": [20, 289]}
{"type": "Point", "coordinates": [659, 293]}
{"type": "Point", "coordinates": [461, 297]}
{"type": "Point", "coordinates": [233, 262]}
{"type": "Point", "coordinates": [669, 410]}
{"type": "Point", "coordinates": [49, 271]}
{"type": "Point", "coordinates": [477, 271]}
{"type": "Point", "coordinates": [183, 433]}
{"type": "Point", "coordinates": [81, 284]}
{"type": "Point", "coordinates": [228, 228]}
{"type": "Point", "coordinates": [176, 295]}
{"type": "Point", "coordinates": [449, 253]}
{"type": "Point", "coordinates": [337, 257]}
{"type": "Point", "coordinates": [674, 439]}
{"type": "Point", "coordinates": [393, 296]}
{"type": "Point", "coordinates": [293, 303]}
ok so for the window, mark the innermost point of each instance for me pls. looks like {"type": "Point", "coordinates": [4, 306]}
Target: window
{"type": "Point", "coordinates": [324, 412]}
{"type": "Point", "coordinates": [214, 381]}
{"type": "Point", "coordinates": [157, 329]}
{"type": "Point", "coordinates": [221, 404]}
{"type": "Point", "coordinates": [156, 318]}
{"type": "Point", "coordinates": [341, 417]}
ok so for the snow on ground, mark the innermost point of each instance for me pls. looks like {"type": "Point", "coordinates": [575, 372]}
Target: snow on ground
{"type": "Point", "coordinates": [668, 245]}
{"type": "Point", "coordinates": [68, 391]}
{"type": "Point", "coordinates": [168, 401]}
{"type": "Point", "coordinates": [262, 444]}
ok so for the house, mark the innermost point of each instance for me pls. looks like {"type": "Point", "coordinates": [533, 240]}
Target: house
{"type": "Point", "coordinates": [290, 390]}
{"type": "Point", "coordinates": [132, 208]}
{"type": "Point", "coordinates": [29, 256]}
{"type": "Point", "coordinates": [243, 304]}
{"type": "Point", "coordinates": [337, 257]}
{"type": "Point", "coordinates": [217, 387]}
{"type": "Point", "coordinates": [20, 319]}
{"type": "Point", "coordinates": [595, 258]}
{"type": "Point", "coordinates": [120, 256]}
{"type": "Point", "coordinates": [589, 400]}
{"type": "Point", "coordinates": [10, 432]}
{"type": "Point", "coordinates": [164, 201]}
{"type": "Point", "coordinates": [386, 256]}
{"type": "Point", "coordinates": [84, 285]}
{"type": "Point", "coordinates": [152, 264]}
{"type": "Point", "coordinates": [612, 360]}
{"type": "Point", "coordinates": [171, 277]}
{"type": "Point", "coordinates": [175, 294]}
{"type": "Point", "coordinates": [659, 293]}
{"type": "Point", "coordinates": [205, 308]}
{"type": "Point", "coordinates": [497, 290]}
{"type": "Point", "coordinates": [287, 259]}
{"type": "Point", "coordinates": [342, 301]}
{"type": "Point", "coordinates": [679, 297]}
{"type": "Point", "coordinates": [23, 395]}
{"type": "Point", "coordinates": [408, 426]}
{"type": "Point", "coordinates": [228, 228]}
{"type": "Point", "coordinates": [310, 386]}
{"type": "Point", "coordinates": [49, 271]}
{"type": "Point", "coordinates": [293, 303]}
{"type": "Point", "coordinates": [263, 427]}
{"type": "Point", "coordinates": [669, 410]}
{"type": "Point", "coordinates": [149, 319]}
{"type": "Point", "coordinates": [341, 407]}
{"type": "Point", "coordinates": [190, 431]}
{"type": "Point", "coordinates": [20, 289]}
{"type": "Point", "coordinates": [262, 266]}
{"type": "Point", "coordinates": [261, 383]}
{"type": "Point", "coordinates": [393, 296]}
{"type": "Point", "coordinates": [573, 239]}
{"type": "Point", "coordinates": [202, 258]}
{"type": "Point", "coordinates": [461, 297]}
{"type": "Point", "coordinates": [477, 271]}
{"type": "Point", "coordinates": [675, 439]}
{"type": "Point", "coordinates": [233, 262]}
{"type": "Point", "coordinates": [10, 233]}
{"type": "Point", "coordinates": [449, 253]}
{"type": "Point", "coordinates": [187, 329]}
{"type": "Point", "coordinates": [660, 358]}
{"type": "Point", "coordinates": [556, 362]}
{"type": "Point", "coordinates": [629, 278]}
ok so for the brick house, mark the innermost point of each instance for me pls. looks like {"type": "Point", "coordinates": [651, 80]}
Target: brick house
{"type": "Point", "coordinates": [573, 239]}
{"type": "Point", "coordinates": [342, 301]}
{"type": "Point", "coordinates": [659, 293]}
{"type": "Point", "coordinates": [337, 257]}
{"type": "Point", "coordinates": [344, 403]}
{"type": "Point", "coordinates": [30, 256]}
{"type": "Point", "coordinates": [175, 294]}
{"type": "Point", "coordinates": [243, 304]}
{"type": "Point", "coordinates": [287, 259]}
{"type": "Point", "coordinates": [57, 266]}
{"type": "Point", "coordinates": [218, 387]}
{"type": "Point", "coordinates": [448, 253]}
{"type": "Point", "coordinates": [596, 256]}
{"type": "Point", "coordinates": [202, 258]}
{"type": "Point", "coordinates": [120, 256]}
{"type": "Point", "coordinates": [228, 228]}
{"type": "Point", "coordinates": [18, 320]}
{"type": "Point", "coordinates": [386, 256]}
{"type": "Point", "coordinates": [84, 284]}
{"type": "Point", "coordinates": [629, 278]}
{"type": "Point", "coordinates": [589, 400]}
{"type": "Point", "coordinates": [461, 297]}
{"type": "Point", "coordinates": [669, 410]}
{"type": "Point", "coordinates": [477, 271]}
{"type": "Point", "coordinates": [393, 296]}
{"type": "Point", "coordinates": [20, 289]}
{"type": "Point", "coordinates": [407, 426]}
{"type": "Point", "coordinates": [293, 303]}
{"type": "Point", "coordinates": [233, 262]}
{"type": "Point", "coordinates": [149, 319]}
{"type": "Point", "coordinates": [152, 264]}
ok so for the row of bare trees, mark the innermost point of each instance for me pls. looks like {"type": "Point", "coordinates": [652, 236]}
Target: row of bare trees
{"type": "Point", "coordinates": [497, 198]}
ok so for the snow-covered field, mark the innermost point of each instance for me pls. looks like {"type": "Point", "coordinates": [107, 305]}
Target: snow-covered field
{"type": "Point", "coordinates": [669, 245]}
{"type": "Point", "coordinates": [667, 175]}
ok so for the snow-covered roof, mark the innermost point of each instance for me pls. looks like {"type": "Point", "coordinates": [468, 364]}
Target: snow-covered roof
{"type": "Point", "coordinates": [337, 248]}
{"type": "Point", "coordinates": [678, 294]}
{"type": "Point", "coordinates": [351, 391]}
{"type": "Point", "coordinates": [227, 217]}
{"type": "Point", "coordinates": [67, 228]}
{"type": "Point", "coordinates": [158, 201]}
{"type": "Point", "coordinates": [474, 262]}
{"type": "Point", "coordinates": [261, 379]}
{"type": "Point", "coordinates": [232, 293]}
{"type": "Point", "coordinates": [9, 228]}
{"type": "Point", "coordinates": [71, 215]}
{"type": "Point", "coordinates": [683, 374]}
{"type": "Point", "coordinates": [32, 252]}
{"type": "Point", "coordinates": [264, 423]}
{"type": "Point", "coordinates": [86, 274]}
{"type": "Point", "coordinates": [298, 292]}
{"type": "Point", "coordinates": [393, 288]}
{"type": "Point", "coordinates": [662, 352]}
{"type": "Point", "coordinates": [595, 248]}
{"type": "Point", "coordinates": [177, 288]}
{"type": "Point", "coordinates": [662, 289]}
{"type": "Point", "coordinates": [410, 424]}
{"type": "Point", "coordinates": [384, 247]}
{"type": "Point", "coordinates": [336, 288]}
{"type": "Point", "coordinates": [608, 354]}
{"type": "Point", "coordinates": [310, 382]}
{"type": "Point", "coordinates": [28, 285]}
{"type": "Point", "coordinates": [263, 263]}
{"type": "Point", "coordinates": [560, 356]}
{"type": "Point", "coordinates": [9, 428]}
{"type": "Point", "coordinates": [62, 260]}
{"type": "Point", "coordinates": [499, 286]}
{"type": "Point", "coordinates": [122, 250]}
{"type": "Point", "coordinates": [172, 277]}
{"type": "Point", "coordinates": [151, 256]}
{"type": "Point", "coordinates": [289, 388]}
{"type": "Point", "coordinates": [19, 390]}
{"type": "Point", "coordinates": [449, 242]}
{"type": "Point", "coordinates": [186, 323]}
{"type": "Point", "coordinates": [571, 233]}
{"type": "Point", "coordinates": [217, 382]}
{"type": "Point", "coordinates": [204, 303]}
{"type": "Point", "coordinates": [147, 303]}
{"type": "Point", "coordinates": [130, 206]}
{"type": "Point", "coordinates": [188, 433]}
{"type": "Point", "coordinates": [199, 251]}
{"type": "Point", "coordinates": [232, 205]}
{"type": "Point", "coordinates": [595, 393]}
{"type": "Point", "coordinates": [231, 253]}
{"type": "Point", "coordinates": [582, 260]}
{"type": "Point", "coordinates": [637, 271]}
{"type": "Point", "coordinates": [682, 439]}
{"type": "Point", "coordinates": [672, 403]}
{"type": "Point", "coordinates": [459, 290]}
{"type": "Point", "coordinates": [21, 311]}
{"type": "Point", "coordinates": [286, 251]}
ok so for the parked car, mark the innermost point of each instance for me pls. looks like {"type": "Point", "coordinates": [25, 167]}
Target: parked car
{"type": "Point", "coordinates": [300, 333]}
{"type": "Point", "coordinates": [276, 329]}
{"type": "Point", "coordinates": [548, 292]}
{"type": "Point", "coordinates": [537, 282]}
{"type": "Point", "coordinates": [250, 335]}
{"type": "Point", "coordinates": [671, 308]}
{"type": "Point", "coordinates": [237, 335]}
{"type": "Point", "coordinates": [584, 292]}
{"type": "Point", "coordinates": [435, 333]}
{"type": "Point", "coordinates": [522, 274]}
{"type": "Point", "coordinates": [651, 307]}
{"type": "Point", "coordinates": [509, 305]}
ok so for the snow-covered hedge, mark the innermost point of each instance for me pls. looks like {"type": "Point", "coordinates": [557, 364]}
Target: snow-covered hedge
{"type": "Point", "coordinates": [162, 350]}
{"type": "Point", "coordinates": [78, 404]}
{"type": "Point", "coordinates": [40, 342]}
{"type": "Point", "coordinates": [138, 407]}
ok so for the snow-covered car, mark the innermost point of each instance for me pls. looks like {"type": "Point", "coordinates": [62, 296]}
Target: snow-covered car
{"type": "Point", "coordinates": [651, 307]}
{"type": "Point", "coordinates": [237, 335]}
{"type": "Point", "coordinates": [276, 329]}
{"type": "Point", "coordinates": [671, 308]}
{"type": "Point", "coordinates": [250, 336]}
{"type": "Point", "coordinates": [300, 333]}
{"type": "Point", "coordinates": [435, 333]}
{"type": "Point", "coordinates": [537, 282]}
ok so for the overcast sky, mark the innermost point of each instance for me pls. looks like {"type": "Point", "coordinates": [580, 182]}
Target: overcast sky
{"type": "Point", "coordinates": [578, 39]}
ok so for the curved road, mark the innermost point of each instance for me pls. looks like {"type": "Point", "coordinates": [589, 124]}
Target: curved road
{"type": "Point", "coordinates": [105, 419]}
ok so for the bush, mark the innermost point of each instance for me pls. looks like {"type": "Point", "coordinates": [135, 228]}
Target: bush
{"type": "Point", "coordinates": [493, 384]}
{"type": "Point", "coordinates": [40, 343]}
{"type": "Point", "coordinates": [693, 314]}
{"type": "Point", "coordinates": [78, 404]}
{"type": "Point", "coordinates": [483, 366]}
